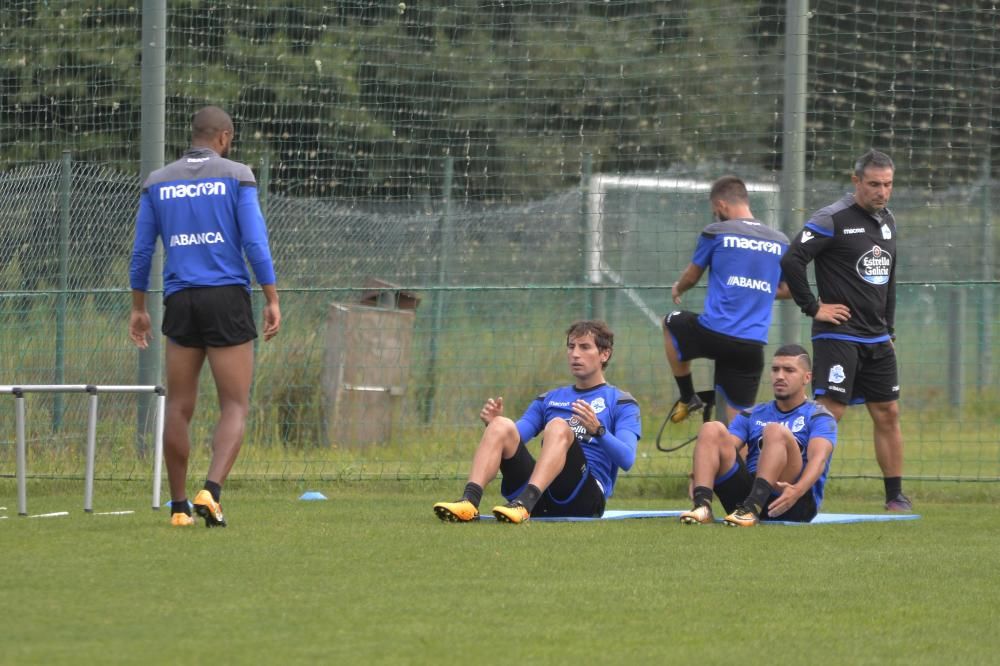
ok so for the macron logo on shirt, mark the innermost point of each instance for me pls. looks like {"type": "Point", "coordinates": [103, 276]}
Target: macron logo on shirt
{"type": "Point", "coordinates": [752, 244]}
{"type": "Point", "coordinates": [168, 192]}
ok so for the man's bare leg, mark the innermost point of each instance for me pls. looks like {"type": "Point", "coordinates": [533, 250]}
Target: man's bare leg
{"type": "Point", "coordinates": [232, 368]}
{"type": "Point", "coordinates": [888, 438]}
{"type": "Point", "coordinates": [499, 442]}
{"type": "Point", "coordinates": [713, 455]}
{"type": "Point", "coordinates": [183, 365]}
{"type": "Point", "coordinates": [556, 440]}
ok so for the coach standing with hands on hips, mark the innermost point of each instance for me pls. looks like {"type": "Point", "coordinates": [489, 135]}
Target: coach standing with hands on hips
{"type": "Point", "coordinates": [853, 242]}
{"type": "Point", "coordinates": [204, 207]}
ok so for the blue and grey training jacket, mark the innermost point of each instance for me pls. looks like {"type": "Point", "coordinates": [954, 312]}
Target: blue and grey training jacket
{"type": "Point", "coordinates": [204, 208]}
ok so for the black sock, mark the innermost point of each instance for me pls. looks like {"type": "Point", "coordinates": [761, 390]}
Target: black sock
{"type": "Point", "coordinates": [181, 506]}
{"type": "Point", "coordinates": [759, 494]}
{"type": "Point", "coordinates": [529, 497]}
{"type": "Point", "coordinates": [473, 493]}
{"type": "Point", "coordinates": [686, 385]}
{"type": "Point", "coordinates": [214, 488]}
{"type": "Point", "coordinates": [893, 487]}
{"type": "Point", "coordinates": [702, 496]}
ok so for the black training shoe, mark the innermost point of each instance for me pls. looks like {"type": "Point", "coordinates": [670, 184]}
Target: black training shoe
{"type": "Point", "coordinates": [899, 504]}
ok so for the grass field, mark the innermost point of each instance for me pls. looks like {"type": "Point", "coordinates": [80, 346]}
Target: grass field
{"type": "Point", "coordinates": [371, 576]}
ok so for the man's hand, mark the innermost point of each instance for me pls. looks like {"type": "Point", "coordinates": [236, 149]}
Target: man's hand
{"type": "Point", "coordinates": [675, 293]}
{"type": "Point", "coordinates": [138, 328]}
{"type": "Point", "coordinates": [491, 410]}
{"type": "Point", "coordinates": [790, 494]}
{"type": "Point", "coordinates": [272, 312]}
{"type": "Point", "coordinates": [833, 313]}
{"type": "Point", "coordinates": [272, 320]}
{"type": "Point", "coordinates": [688, 279]}
{"type": "Point", "coordinates": [586, 415]}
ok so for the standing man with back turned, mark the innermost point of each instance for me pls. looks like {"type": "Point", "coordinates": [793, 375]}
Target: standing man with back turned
{"type": "Point", "coordinates": [204, 208]}
{"type": "Point", "coordinates": [853, 243]}
{"type": "Point", "coordinates": [743, 256]}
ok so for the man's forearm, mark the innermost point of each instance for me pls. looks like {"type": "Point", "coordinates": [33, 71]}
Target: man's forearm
{"type": "Point", "coordinates": [793, 269]}
{"type": "Point", "coordinates": [817, 457]}
{"type": "Point", "coordinates": [270, 292]}
{"type": "Point", "coordinates": [689, 278]}
{"type": "Point", "coordinates": [138, 300]}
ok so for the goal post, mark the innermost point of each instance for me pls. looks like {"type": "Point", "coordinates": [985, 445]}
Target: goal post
{"type": "Point", "coordinates": [601, 269]}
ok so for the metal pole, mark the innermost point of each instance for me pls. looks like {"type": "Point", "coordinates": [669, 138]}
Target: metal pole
{"type": "Point", "coordinates": [986, 304]}
{"type": "Point", "coordinates": [88, 483]}
{"type": "Point", "coordinates": [264, 183]}
{"type": "Point", "coordinates": [22, 473]}
{"type": "Point", "coordinates": [586, 172]}
{"type": "Point", "coordinates": [161, 405]}
{"type": "Point", "coordinates": [21, 464]}
{"type": "Point", "coordinates": [794, 138]}
{"type": "Point", "coordinates": [151, 149]}
{"type": "Point", "coordinates": [444, 256]}
{"type": "Point", "coordinates": [956, 335]}
{"type": "Point", "coordinates": [59, 377]}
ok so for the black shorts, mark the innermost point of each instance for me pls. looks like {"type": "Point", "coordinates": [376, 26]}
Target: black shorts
{"type": "Point", "coordinates": [573, 493]}
{"type": "Point", "coordinates": [852, 373]}
{"type": "Point", "coordinates": [734, 486]}
{"type": "Point", "coordinates": [738, 364]}
{"type": "Point", "coordinates": [209, 317]}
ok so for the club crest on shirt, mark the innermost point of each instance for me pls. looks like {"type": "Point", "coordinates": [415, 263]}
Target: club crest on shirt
{"type": "Point", "coordinates": [598, 405]}
{"type": "Point", "coordinates": [875, 265]}
{"type": "Point", "coordinates": [837, 374]}
{"type": "Point", "coordinates": [578, 429]}
{"type": "Point", "coordinates": [798, 424]}
{"type": "Point", "coordinates": [886, 232]}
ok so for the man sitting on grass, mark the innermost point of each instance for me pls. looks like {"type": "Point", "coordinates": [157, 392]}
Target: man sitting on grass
{"type": "Point", "coordinates": [788, 440]}
{"type": "Point", "coordinates": [589, 431]}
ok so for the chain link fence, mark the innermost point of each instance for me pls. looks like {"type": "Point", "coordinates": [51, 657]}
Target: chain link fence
{"type": "Point", "coordinates": [485, 293]}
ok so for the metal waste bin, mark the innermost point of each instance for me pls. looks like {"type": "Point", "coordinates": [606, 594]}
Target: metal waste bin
{"type": "Point", "coordinates": [367, 364]}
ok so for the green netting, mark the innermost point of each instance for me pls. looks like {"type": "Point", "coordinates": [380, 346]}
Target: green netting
{"type": "Point", "coordinates": [486, 158]}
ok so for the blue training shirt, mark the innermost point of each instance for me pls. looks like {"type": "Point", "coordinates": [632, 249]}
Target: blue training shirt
{"type": "Point", "coordinates": [204, 208]}
{"type": "Point", "coordinates": [744, 262]}
{"type": "Point", "coordinates": [808, 420]}
{"type": "Point", "coordinates": [617, 411]}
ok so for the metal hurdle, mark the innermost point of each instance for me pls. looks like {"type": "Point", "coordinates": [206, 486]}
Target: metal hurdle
{"type": "Point", "coordinates": [93, 390]}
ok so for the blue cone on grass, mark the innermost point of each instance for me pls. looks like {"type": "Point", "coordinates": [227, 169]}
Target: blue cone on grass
{"type": "Point", "coordinates": [312, 495]}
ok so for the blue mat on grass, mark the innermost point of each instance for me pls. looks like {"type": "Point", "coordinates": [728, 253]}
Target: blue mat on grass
{"type": "Point", "coordinates": [821, 519]}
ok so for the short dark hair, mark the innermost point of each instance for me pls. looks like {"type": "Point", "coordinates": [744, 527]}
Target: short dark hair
{"type": "Point", "coordinates": [210, 121]}
{"type": "Point", "coordinates": [872, 158]}
{"type": "Point", "coordinates": [797, 351]}
{"type": "Point", "coordinates": [604, 338]}
{"type": "Point", "coordinates": [729, 189]}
